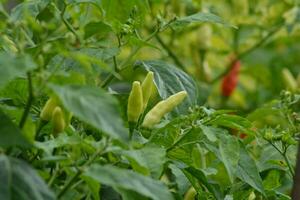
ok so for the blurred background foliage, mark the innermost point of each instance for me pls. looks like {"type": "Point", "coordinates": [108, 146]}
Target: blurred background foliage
{"type": "Point", "coordinates": [203, 50]}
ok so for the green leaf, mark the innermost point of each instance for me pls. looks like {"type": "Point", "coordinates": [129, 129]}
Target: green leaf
{"type": "Point", "coordinates": [200, 17]}
{"type": "Point", "coordinates": [149, 160]}
{"type": "Point", "coordinates": [12, 67]}
{"type": "Point", "coordinates": [129, 180]}
{"type": "Point", "coordinates": [198, 178]}
{"type": "Point", "coordinates": [10, 134]}
{"type": "Point", "coordinates": [169, 80]}
{"type": "Point", "coordinates": [84, 60]}
{"type": "Point", "coordinates": [21, 181]}
{"type": "Point", "coordinates": [247, 171]}
{"type": "Point", "coordinates": [96, 28]}
{"type": "Point", "coordinates": [5, 178]}
{"type": "Point", "coordinates": [122, 9]}
{"type": "Point", "coordinates": [93, 106]}
{"type": "Point", "coordinates": [229, 153]}
{"type": "Point", "coordinates": [209, 132]}
{"type": "Point", "coordinates": [29, 8]}
{"type": "Point", "coordinates": [234, 122]}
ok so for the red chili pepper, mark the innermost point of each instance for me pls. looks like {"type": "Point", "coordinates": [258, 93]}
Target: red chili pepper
{"type": "Point", "coordinates": [230, 81]}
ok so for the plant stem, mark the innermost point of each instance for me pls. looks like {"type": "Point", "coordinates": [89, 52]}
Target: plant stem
{"type": "Point", "coordinates": [170, 53]}
{"type": "Point", "coordinates": [80, 171]}
{"type": "Point", "coordinates": [28, 103]}
{"type": "Point", "coordinates": [296, 187]}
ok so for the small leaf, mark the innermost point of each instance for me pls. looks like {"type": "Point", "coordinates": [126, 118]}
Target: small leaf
{"type": "Point", "coordinates": [94, 106]}
{"type": "Point", "coordinates": [200, 17]}
{"type": "Point", "coordinates": [129, 180]}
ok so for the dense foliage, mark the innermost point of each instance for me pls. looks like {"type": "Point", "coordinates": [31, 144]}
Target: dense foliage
{"type": "Point", "coordinates": [149, 99]}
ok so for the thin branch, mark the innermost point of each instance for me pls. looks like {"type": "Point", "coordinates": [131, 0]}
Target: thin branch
{"type": "Point", "coordinates": [28, 103]}
{"type": "Point", "coordinates": [170, 53]}
{"type": "Point", "coordinates": [248, 51]}
{"type": "Point", "coordinates": [296, 187]}
{"type": "Point", "coordinates": [80, 171]}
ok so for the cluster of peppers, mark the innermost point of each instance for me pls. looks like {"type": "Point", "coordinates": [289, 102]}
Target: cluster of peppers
{"type": "Point", "coordinates": [138, 101]}
{"type": "Point", "coordinates": [52, 111]}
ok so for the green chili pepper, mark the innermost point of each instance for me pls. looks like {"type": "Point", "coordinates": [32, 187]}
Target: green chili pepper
{"type": "Point", "coordinates": [289, 80]}
{"type": "Point", "coordinates": [58, 121]}
{"type": "Point", "coordinates": [135, 102]}
{"type": "Point", "coordinates": [46, 113]}
{"type": "Point", "coordinates": [162, 108]}
{"type": "Point", "coordinates": [147, 86]}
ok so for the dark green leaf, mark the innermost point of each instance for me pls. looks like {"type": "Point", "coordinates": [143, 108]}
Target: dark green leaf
{"type": "Point", "coordinates": [197, 178]}
{"type": "Point", "coordinates": [23, 182]}
{"type": "Point", "coordinates": [129, 180]}
{"type": "Point", "coordinates": [10, 134]}
{"type": "Point", "coordinates": [28, 8]}
{"type": "Point", "coordinates": [169, 80]}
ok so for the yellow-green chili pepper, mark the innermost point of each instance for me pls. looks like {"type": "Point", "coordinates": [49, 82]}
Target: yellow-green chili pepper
{"type": "Point", "coordinates": [135, 102]}
{"type": "Point", "coordinates": [162, 108]}
{"type": "Point", "coordinates": [46, 113]}
{"type": "Point", "coordinates": [58, 121]}
{"type": "Point", "coordinates": [147, 86]}
{"type": "Point", "coordinates": [289, 80]}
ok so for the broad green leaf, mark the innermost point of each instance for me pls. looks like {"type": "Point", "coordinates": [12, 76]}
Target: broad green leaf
{"type": "Point", "coordinates": [96, 28]}
{"type": "Point", "coordinates": [247, 170]}
{"type": "Point", "coordinates": [93, 106]}
{"type": "Point", "coordinates": [129, 180]}
{"type": "Point", "coordinates": [169, 80]}
{"type": "Point", "coordinates": [229, 153]}
{"type": "Point", "coordinates": [22, 181]}
{"type": "Point", "coordinates": [28, 8]}
{"type": "Point", "coordinates": [12, 67]}
{"type": "Point", "coordinates": [10, 134]}
{"type": "Point", "coordinates": [199, 17]}
{"type": "Point", "coordinates": [148, 160]}
{"type": "Point", "coordinates": [209, 132]}
{"type": "Point", "coordinates": [84, 60]}
{"type": "Point", "coordinates": [234, 122]}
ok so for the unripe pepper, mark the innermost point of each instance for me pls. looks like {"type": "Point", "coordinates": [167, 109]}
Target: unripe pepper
{"type": "Point", "coordinates": [147, 86]}
{"type": "Point", "coordinates": [289, 80]}
{"type": "Point", "coordinates": [190, 194]}
{"type": "Point", "coordinates": [58, 121]}
{"type": "Point", "coordinates": [162, 108]}
{"type": "Point", "coordinates": [46, 113]}
{"type": "Point", "coordinates": [230, 81]}
{"type": "Point", "coordinates": [135, 102]}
